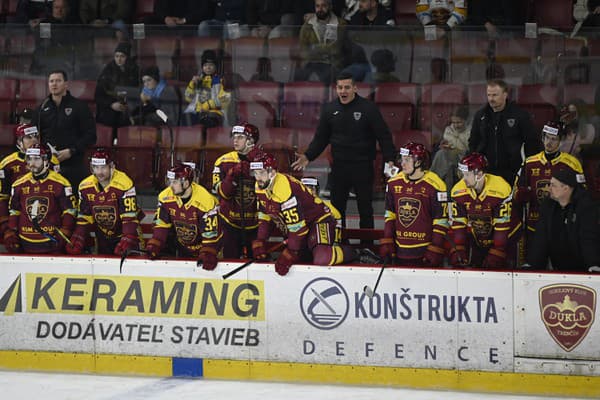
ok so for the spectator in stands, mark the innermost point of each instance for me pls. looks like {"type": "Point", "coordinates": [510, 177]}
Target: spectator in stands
{"type": "Point", "coordinates": [532, 186]}
{"type": "Point", "coordinates": [42, 207]}
{"type": "Point", "coordinates": [234, 185]}
{"type": "Point", "coordinates": [415, 212]}
{"type": "Point", "coordinates": [107, 206]}
{"type": "Point", "coordinates": [500, 130]}
{"type": "Point", "coordinates": [306, 223]}
{"type": "Point", "coordinates": [568, 231]}
{"type": "Point", "coordinates": [453, 147]}
{"type": "Point", "coordinates": [189, 213]}
{"type": "Point", "coordinates": [269, 17]}
{"type": "Point", "coordinates": [384, 62]}
{"type": "Point", "coordinates": [444, 14]}
{"type": "Point", "coordinates": [174, 13]}
{"type": "Point", "coordinates": [205, 94]}
{"type": "Point", "coordinates": [111, 103]}
{"type": "Point", "coordinates": [439, 70]}
{"type": "Point", "coordinates": [156, 94]}
{"type": "Point", "coordinates": [107, 13]}
{"type": "Point", "coordinates": [228, 20]}
{"type": "Point", "coordinates": [64, 48]}
{"type": "Point", "coordinates": [592, 20]}
{"type": "Point", "coordinates": [305, 9]}
{"type": "Point", "coordinates": [352, 125]}
{"type": "Point", "coordinates": [33, 12]}
{"type": "Point", "coordinates": [67, 124]}
{"type": "Point", "coordinates": [580, 130]}
{"type": "Point", "coordinates": [372, 13]}
{"type": "Point", "coordinates": [483, 224]}
{"type": "Point", "coordinates": [14, 166]}
{"type": "Point", "coordinates": [359, 66]}
{"type": "Point", "coordinates": [492, 14]}
{"type": "Point", "coordinates": [323, 44]}
{"type": "Point", "coordinates": [263, 70]}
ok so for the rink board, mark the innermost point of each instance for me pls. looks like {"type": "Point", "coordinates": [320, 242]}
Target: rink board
{"type": "Point", "coordinates": [455, 329]}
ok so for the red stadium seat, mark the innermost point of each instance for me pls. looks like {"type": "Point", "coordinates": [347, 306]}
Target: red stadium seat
{"type": "Point", "coordinates": [437, 103]}
{"type": "Point", "coordinates": [84, 90]}
{"type": "Point", "coordinates": [469, 56]}
{"type": "Point", "coordinates": [7, 139]}
{"type": "Point", "coordinates": [284, 55]}
{"type": "Point", "coordinates": [557, 14]}
{"type": "Point", "coordinates": [8, 95]}
{"type": "Point", "coordinates": [540, 101]}
{"type": "Point", "coordinates": [423, 52]}
{"type": "Point", "coordinates": [244, 53]}
{"type": "Point", "coordinates": [397, 103]}
{"type": "Point", "coordinates": [20, 52]}
{"type": "Point", "coordinates": [301, 104]}
{"type": "Point", "coordinates": [258, 103]}
{"type": "Point", "coordinates": [585, 92]}
{"type": "Point", "coordinates": [190, 53]}
{"type": "Point", "coordinates": [278, 136]}
{"type": "Point", "coordinates": [403, 137]}
{"type": "Point", "coordinates": [143, 8]}
{"type": "Point", "coordinates": [136, 155]}
{"type": "Point", "coordinates": [187, 144]}
{"type": "Point", "coordinates": [31, 93]}
{"type": "Point", "coordinates": [159, 51]}
{"type": "Point", "coordinates": [515, 56]}
{"type": "Point", "coordinates": [104, 136]}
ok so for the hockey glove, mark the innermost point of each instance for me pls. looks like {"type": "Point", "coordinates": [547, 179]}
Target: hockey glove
{"type": "Point", "coordinates": [387, 248]}
{"type": "Point", "coordinates": [594, 269]}
{"type": "Point", "coordinates": [12, 241]}
{"type": "Point", "coordinates": [127, 242]}
{"type": "Point", "coordinates": [458, 256]}
{"type": "Point", "coordinates": [76, 246]}
{"type": "Point", "coordinates": [524, 195]}
{"type": "Point", "coordinates": [434, 256]}
{"type": "Point", "coordinates": [208, 255]}
{"type": "Point", "coordinates": [495, 258]}
{"type": "Point", "coordinates": [259, 249]}
{"type": "Point", "coordinates": [286, 259]}
{"type": "Point", "coordinates": [153, 248]}
{"type": "Point", "coordinates": [61, 241]}
{"type": "Point", "coordinates": [241, 169]}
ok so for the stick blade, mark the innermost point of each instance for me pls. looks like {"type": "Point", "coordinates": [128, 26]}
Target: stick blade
{"type": "Point", "coordinates": [368, 291]}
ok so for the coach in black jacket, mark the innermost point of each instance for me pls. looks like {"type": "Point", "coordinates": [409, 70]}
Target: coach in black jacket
{"type": "Point", "coordinates": [499, 131]}
{"type": "Point", "coordinates": [352, 125]}
{"type": "Point", "coordinates": [568, 231]}
{"type": "Point", "coordinates": [67, 124]}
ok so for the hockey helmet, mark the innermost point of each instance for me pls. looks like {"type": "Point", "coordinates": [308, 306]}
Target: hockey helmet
{"type": "Point", "coordinates": [180, 171]}
{"type": "Point", "coordinates": [39, 150]}
{"type": "Point", "coordinates": [22, 130]}
{"type": "Point", "coordinates": [101, 156]}
{"type": "Point", "coordinates": [311, 182]}
{"type": "Point", "coordinates": [555, 129]}
{"type": "Point", "coordinates": [263, 160]}
{"type": "Point", "coordinates": [473, 162]}
{"type": "Point", "coordinates": [418, 153]}
{"type": "Point", "coordinates": [248, 130]}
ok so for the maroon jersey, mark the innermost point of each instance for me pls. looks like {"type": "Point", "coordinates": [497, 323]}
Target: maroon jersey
{"type": "Point", "coordinates": [195, 222]}
{"type": "Point", "coordinates": [56, 208]}
{"type": "Point", "coordinates": [536, 178]}
{"type": "Point", "coordinates": [292, 208]}
{"type": "Point", "coordinates": [237, 198]}
{"type": "Point", "coordinates": [112, 211]}
{"type": "Point", "coordinates": [486, 217]}
{"type": "Point", "coordinates": [416, 213]}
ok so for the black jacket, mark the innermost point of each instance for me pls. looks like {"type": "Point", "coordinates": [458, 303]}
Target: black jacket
{"type": "Point", "coordinates": [111, 77]}
{"type": "Point", "coordinates": [352, 130]}
{"type": "Point", "coordinates": [71, 125]}
{"type": "Point", "coordinates": [569, 237]}
{"type": "Point", "coordinates": [501, 142]}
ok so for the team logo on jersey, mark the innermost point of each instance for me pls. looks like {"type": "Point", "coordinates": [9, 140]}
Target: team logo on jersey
{"type": "Point", "coordinates": [245, 195]}
{"type": "Point", "coordinates": [105, 216]}
{"type": "Point", "coordinates": [542, 189]}
{"type": "Point", "coordinates": [42, 206]}
{"type": "Point", "coordinates": [568, 312]}
{"type": "Point", "coordinates": [511, 122]}
{"type": "Point", "coordinates": [324, 303]}
{"type": "Point", "coordinates": [481, 225]}
{"type": "Point", "coordinates": [186, 233]}
{"type": "Point", "coordinates": [357, 116]}
{"type": "Point", "coordinates": [68, 111]}
{"type": "Point", "coordinates": [408, 210]}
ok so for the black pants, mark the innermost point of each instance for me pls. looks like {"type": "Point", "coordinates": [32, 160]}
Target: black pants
{"type": "Point", "coordinates": [358, 175]}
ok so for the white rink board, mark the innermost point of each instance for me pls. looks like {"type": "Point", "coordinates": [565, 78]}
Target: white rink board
{"type": "Point", "coordinates": [440, 319]}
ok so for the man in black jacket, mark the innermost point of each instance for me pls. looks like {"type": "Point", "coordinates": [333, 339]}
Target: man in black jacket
{"type": "Point", "coordinates": [568, 230]}
{"type": "Point", "coordinates": [500, 130]}
{"type": "Point", "coordinates": [68, 125]}
{"type": "Point", "coordinates": [352, 125]}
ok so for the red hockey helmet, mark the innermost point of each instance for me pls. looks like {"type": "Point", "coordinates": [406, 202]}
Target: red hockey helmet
{"type": "Point", "coordinates": [22, 130]}
{"type": "Point", "coordinates": [101, 156]}
{"type": "Point", "coordinates": [40, 150]}
{"type": "Point", "coordinates": [248, 130]}
{"type": "Point", "coordinates": [418, 153]}
{"type": "Point", "coordinates": [179, 171]}
{"type": "Point", "coordinates": [473, 162]}
{"type": "Point", "coordinates": [555, 129]}
{"type": "Point", "coordinates": [263, 160]}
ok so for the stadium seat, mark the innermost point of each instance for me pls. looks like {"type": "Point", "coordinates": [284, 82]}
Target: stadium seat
{"type": "Point", "coordinates": [556, 14]}
{"type": "Point", "coordinates": [136, 154]}
{"type": "Point", "coordinates": [402, 137]}
{"type": "Point", "coordinates": [279, 136]}
{"type": "Point", "coordinates": [84, 90]}
{"type": "Point", "coordinates": [143, 8]}
{"type": "Point", "coordinates": [159, 51]}
{"type": "Point", "coordinates": [244, 53]}
{"type": "Point", "coordinates": [7, 139]}
{"type": "Point", "coordinates": [515, 56]}
{"type": "Point", "coordinates": [20, 52]}
{"type": "Point", "coordinates": [541, 101]}
{"type": "Point", "coordinates": [8, 95]}
{"type": "Point", "coordinates": [301, 104]}
{"type": "Point", "coordinates": [104, 136]}
{"type": "Point", "coordinates": [469, 57]}
{"type": "Point", "coordinates": [258, 103]}
{"type": "Point", "coordinates": [187, 144]}
{"type": "Point", "coordinates": [31, 93]}
{"type": "Point", "coordinates": [405, 12]}
{"type": "Point", "coordinates": [437, 103]}
{"type": "Point", "coordinates": [585, 92]}
{"type": "Point", "coordinates": [190, 53]}
{"type": "Point", "coordinates": [284, 55]}
{"type": "Point", "coordinates": [397, 103]}
{"type": "Point", "coordinates": [423, 52]}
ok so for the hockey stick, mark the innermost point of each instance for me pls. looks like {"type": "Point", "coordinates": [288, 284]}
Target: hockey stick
{"type": "Point", "coordinates": [367, 290]}
{"type": "Point", "coordinates": [36, 225]}
{"type": "Point", "coordinates": [126, 254]}
{"type": "Point", "coordinates": [252, 260]}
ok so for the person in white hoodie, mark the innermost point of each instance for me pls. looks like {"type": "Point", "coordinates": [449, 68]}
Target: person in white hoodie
{"type": "Point", "coordinates": [454, 145]}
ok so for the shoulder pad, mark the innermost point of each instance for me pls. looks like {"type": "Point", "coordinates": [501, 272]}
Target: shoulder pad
{"type": "Point", "coordinates": [435, 181]}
